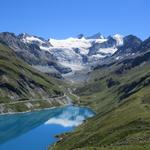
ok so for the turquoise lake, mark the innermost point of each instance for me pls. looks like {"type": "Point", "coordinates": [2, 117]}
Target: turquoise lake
{"type": "Point", "coordinates": [37, 130]}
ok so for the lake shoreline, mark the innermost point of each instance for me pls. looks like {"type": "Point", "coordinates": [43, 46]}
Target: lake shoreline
{"type": "Point", "coordinates": [13, 113]}
{"type": "Point", "coordinates": [54, 107]}
{"type": "Point", "coordinates": [50, 125]}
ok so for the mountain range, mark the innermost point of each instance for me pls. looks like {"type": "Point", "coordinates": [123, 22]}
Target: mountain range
{"type": "Point", "coordinates": [110, 74]}
{"type": "Point", "coordinates": [71, 54]}
{"type": "Point", "coordinates": [62, 56]}
{"type": "Point", "coordinates": [118, 89]}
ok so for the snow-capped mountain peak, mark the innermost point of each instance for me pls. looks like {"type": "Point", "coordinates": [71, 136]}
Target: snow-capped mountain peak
{"type": "Point", "coordinates": [82, 45]}
{"type": "Point", "coordinates": [75, 52]}
{"type": "Point", "coordinates": [119, 39]}
{"type": "Point", "coordinates": [30, 39]}
{"type": "Point", "coordinates": [26, 38]}
{"type": "Point", "coordinates": [96, 36]}
{"type": "Point", "coordinates": [63, 55]}
{"type": "Point", "coordinates": [70, 43]}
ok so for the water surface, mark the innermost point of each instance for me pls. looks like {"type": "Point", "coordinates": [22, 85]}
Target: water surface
{"type": "Point", "coordinates": [37, 130]}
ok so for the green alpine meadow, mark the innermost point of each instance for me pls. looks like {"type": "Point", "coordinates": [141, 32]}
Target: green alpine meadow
{"type": "Point", "coordinates": [23, 88]}
{"type": "Point", "coordinates": [122, 106]}
{"type": "Point", "coordinates": [75, 75]}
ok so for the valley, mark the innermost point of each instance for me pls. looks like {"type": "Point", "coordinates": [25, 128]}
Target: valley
{"type": "Point", "coordinates": [110, 75]}
{"type": "Point", "coordinates": [23, 88]}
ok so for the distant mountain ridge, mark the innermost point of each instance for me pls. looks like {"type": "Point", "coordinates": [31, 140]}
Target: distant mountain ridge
{"type": "Point", "coordinates": [23, 88]}
{"type": "Point", "coordinates": [117, 88]}
{"type": "Point", "coordinates": [61, 56]}
{"type": "Point", "coordinates": [110, 75]}
{"type": "Point", "coordinates": [72, 54]}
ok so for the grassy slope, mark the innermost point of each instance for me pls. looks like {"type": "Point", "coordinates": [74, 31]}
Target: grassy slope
{"type": "Point", "coordinates": [123, 111]}
{"type": "Point", "coordinates": [20, 82]}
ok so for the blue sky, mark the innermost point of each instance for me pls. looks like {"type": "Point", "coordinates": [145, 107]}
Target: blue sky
{"type": "Point", "coordinates": [65, 18]}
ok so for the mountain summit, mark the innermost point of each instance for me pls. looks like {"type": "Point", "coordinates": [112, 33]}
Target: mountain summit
{"type": "Point", "coordinates": [71, 54]}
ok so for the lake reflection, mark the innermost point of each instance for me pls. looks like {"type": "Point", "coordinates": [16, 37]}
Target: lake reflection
{"type": "Point", "coordinates": [36, 130]}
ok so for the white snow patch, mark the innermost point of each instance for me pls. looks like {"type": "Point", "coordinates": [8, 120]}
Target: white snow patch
{"type": "Point", "coordinates": [70, 43]}
{"type": "Point", "coordinates": [119, 39]}
{"type": "Point", "coordinates": [73, 66]}
{"type": "Point", "coordinates": [100, 40]}
{"type": "Point", "coordinates": [45, 48]}
{"type": "Point", "coordinates": [117, 58]}
{"type": "Point", "coordinates": [110, 50]}
{"type": "Point", "coordinates": [30, 39]}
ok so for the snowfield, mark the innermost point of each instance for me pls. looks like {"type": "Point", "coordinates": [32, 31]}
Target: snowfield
{"type": "Point", "coordinates": [74, 52]}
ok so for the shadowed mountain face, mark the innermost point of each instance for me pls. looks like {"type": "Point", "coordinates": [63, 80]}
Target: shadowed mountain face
{"type": "Point", "coordinates": [21, 82]}
{"type": "Point", "coordinates": [31, 53]}
{"type": "Point", "coordinates": [145, 46]}
{"type": "Point", "coordinates": [61, 56]}
{"type": "Point", "coordinates": [119, 92]}
{"type": "Point", "coordinates": [131, 45]}
{"type": "Point", "coordinates": [95, 48]}
{"type": "Point", "coordinates": [116, 74]}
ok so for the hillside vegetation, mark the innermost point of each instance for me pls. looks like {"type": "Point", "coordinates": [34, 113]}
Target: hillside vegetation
{"type": "Point", "coordinates": [120, 94]}
{"type": "Point", "coordinates": [22, 87]}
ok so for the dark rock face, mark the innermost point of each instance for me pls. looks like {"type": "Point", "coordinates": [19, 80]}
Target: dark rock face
{"type": "Point", "coordinates": [103, 66]}
{"type": "Point", "coordinates": [131, 45]}
{"type": "Point", "coordinates": [80, 36]}
{"type": "Point", "coordinates": [56, 75]}
{"type": "Point", "coordinates": [62, 69]}
{"type": "Point", "coordinates": [96, 46]}
{"type": "Point", "coordinates": [134, 86]}
{"type": "Point", "coordinates": [2, 72]}
{"type": "Point", "coordinates": [77, 50]}
{"type": "Point", "coordinates": [10, 88]}
{"type": "Point", "coordinates": [84, 58]}
{"type": "Point", "coordinates": [96, 36]}
{"type": "Point", "coordinates": [130, 63]}
{"type": "Point", "coordinates": [13, 41]}
{"type": "Point", "coordinates": [35, 51]}
{"type": "Point", "coordinates": [31, 52]}
{"type": "Point", "coordinates": [110, 82]}
{"type": "Point", "coordinates": [145, 46]}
